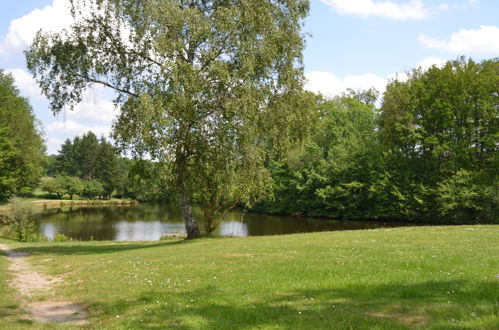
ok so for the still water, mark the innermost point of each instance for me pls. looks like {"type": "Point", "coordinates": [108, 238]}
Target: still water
{"type": "Point", "coordinates": [149, 222]}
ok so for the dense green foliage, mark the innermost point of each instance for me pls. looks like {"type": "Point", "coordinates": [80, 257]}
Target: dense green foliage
{"type": "Point", "coordinates": [92, 188]}
{"type": "Point", "coordinates": [8, 175]}
{"type": "Point", "coordinates": [351, 160]}
{"type": "Point", "coordinates": [195, 80]}
{"type": "Point", "coordinates": [54, 186]}
{"type": "Point", "coordinates": [403, 278]}
{"type": "Point", "coordinates": [330, 174]}
{"type": "Point", "coordinates": [20, 218]}
{"type": "Point", "coordinates": [429, 154]}
{"type": "Point", "coordinates": [442, 126]}
{"type": "Point", "coordinates": [21, 143]}
{"type": "Point", "coordinates": [92, 167]}
{"type": "Point", "coordinates": [86, 158]}
{"type": "Point", "coordinates": [211, 93]}
{"type": "Point", "coordinates": [147, 181]}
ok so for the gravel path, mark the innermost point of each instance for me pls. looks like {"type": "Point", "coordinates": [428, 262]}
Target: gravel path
{"type": "Point", "coordinates": [30, 284]}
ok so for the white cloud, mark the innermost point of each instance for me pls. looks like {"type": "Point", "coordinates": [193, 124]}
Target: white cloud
{"type": "Point", "coordinates": [53, 145]}
{"type": "Point", "coordinates": [26, 84]}
{"type": "Point", "coordinates": [400, 76]}
{"type": "Point", "coordinates": [22, 30]}
{"type": "Point", "coordinates": [95, 114]}
{"type": "Point", "coordinates": [413, 9]}
{"type": "Point", "coordinates": [423, 65]}
{"type": "Point", "coordinates": [329, 85]}
{"type": "Point", "coordinates": [431, 61]}
{"type": "Point", "coordinates": [444, 6]}
{"type": "Point", "coordinates": [72, 128]}
{"type": "Point", "coordinates": [94, 108]}
{"type": "Point", "coordinates": [102, 111]}
{"type": "Point", "coordinates": [463, 6]}
{"type": "Point", "coordinates": [484, 40]}
{"type": "Point", "coordinates": [87, 116]}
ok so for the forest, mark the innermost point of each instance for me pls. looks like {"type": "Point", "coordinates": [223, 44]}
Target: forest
{"type": "Point", "coordinates": [425, 151]}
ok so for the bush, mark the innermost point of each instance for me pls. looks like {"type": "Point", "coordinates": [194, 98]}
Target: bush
{"type": "Point", "coordinates": [465, 198]}
{"type": "Point", "coordinates": [73, 185]}
{"type": "Point", "coordinates": [21, 219]}
{"type": "Point", "coordinates": [54, 186]}
{"type": "Point", "coordinates": [36, 237]}
{"type": "Point", "coordinates": [61, 238]}
{"type": "Point", "coordinates": [92, 188]}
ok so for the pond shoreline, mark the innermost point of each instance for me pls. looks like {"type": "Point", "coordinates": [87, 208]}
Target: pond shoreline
{"type": "Point", "coordinates": [45, 204]}
{"type": "Point", "coordinates": [145, 222]}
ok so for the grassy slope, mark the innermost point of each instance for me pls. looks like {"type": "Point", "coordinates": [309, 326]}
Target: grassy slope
{"type": "Point", "coordinates": [438, 277]}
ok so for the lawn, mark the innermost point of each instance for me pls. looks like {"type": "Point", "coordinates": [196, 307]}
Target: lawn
{"type": "Point", "coordinates": [436, 277]}
{"type": "Point", "coordinates": [9, 305]}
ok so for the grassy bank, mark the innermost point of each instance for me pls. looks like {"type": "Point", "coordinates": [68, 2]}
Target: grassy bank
{"type": "Point", "coordinates": [41, 204]}
{"type": "Point", "coordinates": [436, 277]}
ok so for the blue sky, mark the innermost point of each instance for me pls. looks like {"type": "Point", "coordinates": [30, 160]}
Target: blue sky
{"type": "Point", "coordinates": [351, 43]}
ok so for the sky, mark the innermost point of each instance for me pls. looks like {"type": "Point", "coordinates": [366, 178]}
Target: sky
{"type": "Point", "coordinates": [355, 44]}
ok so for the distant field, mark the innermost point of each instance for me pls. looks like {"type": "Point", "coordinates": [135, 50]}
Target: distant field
{"type": "Point", "coordinates": [423, 277]}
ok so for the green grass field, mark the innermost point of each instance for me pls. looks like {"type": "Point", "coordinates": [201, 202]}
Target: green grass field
{"type": "Point", "coordinates": [9, 306]}
{"type": "Point", "coordinates": [427, 277]}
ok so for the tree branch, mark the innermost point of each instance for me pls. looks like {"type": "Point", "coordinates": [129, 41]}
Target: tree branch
{"type": "Point", "coordinates": [107, 31]}
{"type": "Point", "coordinates": [105, 83]}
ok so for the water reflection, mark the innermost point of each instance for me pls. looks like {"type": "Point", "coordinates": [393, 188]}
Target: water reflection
{"type": "Point", "coordinates": [145, 231]}
{"type": "Point", "coordinates": [233, 228]}
{"type": "Point", "coordinates": [149, 222]}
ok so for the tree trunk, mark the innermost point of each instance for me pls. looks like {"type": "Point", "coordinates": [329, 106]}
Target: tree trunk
{"type": "Point", "coordinates": [185, 202]}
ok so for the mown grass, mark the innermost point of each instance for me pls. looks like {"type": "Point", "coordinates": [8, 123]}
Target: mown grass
{"type": "Point", "coordinates": [8, 305]}
{"type": "Point", "coordinates": [423, 277]}
{"type": "Point", "coordinates": [11, 316]}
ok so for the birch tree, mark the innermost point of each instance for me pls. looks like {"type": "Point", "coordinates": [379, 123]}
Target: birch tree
{"type": "Point", "coordinates": [197, 83]}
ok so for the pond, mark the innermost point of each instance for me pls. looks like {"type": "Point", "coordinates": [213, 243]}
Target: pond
{"type": "Point", "coordinates": [150, 222]}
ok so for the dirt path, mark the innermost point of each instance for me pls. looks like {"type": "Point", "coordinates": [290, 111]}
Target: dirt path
{"type": "Point", "coordinates": [31, 284]}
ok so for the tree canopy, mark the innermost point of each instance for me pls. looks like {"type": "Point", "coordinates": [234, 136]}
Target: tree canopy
{"type": "Point", "coordinates": [21, 142]}
{"type": "Point", "coordinates": [429, 154]}
{"type": "Point", "coordinates": [445, 119]}
{"type": "Point", "coordinates": [89, 158]}
{"type": "Point", "coordinates": [195, 81]}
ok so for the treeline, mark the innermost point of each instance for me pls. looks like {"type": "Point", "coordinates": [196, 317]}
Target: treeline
{"type": "Point", "coordinates": [429, 154]}
{"type": "Point", "coordinates": [21, 143]}
{"type": "Point", "coordinates": [92, 167]}
{"type": "Point", "coordinates": [86, 166]}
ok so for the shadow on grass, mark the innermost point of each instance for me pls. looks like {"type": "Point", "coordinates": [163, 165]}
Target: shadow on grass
{"type": "Point", "coordinates": [12, 316]}
{"type": "Point", "coordinates": [86, 248]}
{"type": "Point", "coordinates": [7, 239]}
{"type": "Point", "coordinates": [8, 311]}
{"type": "Point", "coordinates": [434, 303]}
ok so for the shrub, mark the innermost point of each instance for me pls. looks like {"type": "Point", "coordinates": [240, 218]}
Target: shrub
{"type": "Point", "coordinates": [465, 198]}
{"type": "Point", "coordinates": [36, 237]}
{"type": "Point", "coordinates": [61, 238]}
{"type": "Point", "coordinates": [21, 219]}
{"type": "Point", "coordinates": [73, 185]}
{"type": "Point", "coordinates": [54, 186]}
{"type": "Point", "coordinates": [92, 188]}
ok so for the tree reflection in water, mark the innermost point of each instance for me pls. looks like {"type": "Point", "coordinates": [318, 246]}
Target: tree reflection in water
{"type": "Point", "coordinates": [150, 221]}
